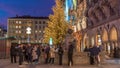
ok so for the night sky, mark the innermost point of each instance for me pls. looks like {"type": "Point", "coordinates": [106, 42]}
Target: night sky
{"type": "Point", "coordinates": [11, 8]}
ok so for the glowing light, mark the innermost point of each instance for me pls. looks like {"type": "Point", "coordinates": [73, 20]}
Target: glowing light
{"type": "Point", "coordinates": [69, 5]}
{"type": "Point", "coordinates": [66, 10]}
{"type": "Point", "coordinates": [75, 4]}
{"type": "Point", "coordinates": [51, 41]}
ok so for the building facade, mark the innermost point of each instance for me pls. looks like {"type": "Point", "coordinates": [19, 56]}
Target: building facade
{"type": "Point", "coordinates": [96, 22]}
{"type": "Point", "coordinates": [17, 27]}
{"type": "Point", "coordinates": [103, 18]}
{"type": "Point", "coordinates": [75, 15]}
{"type": "Point", "coordinates": [3, 32]}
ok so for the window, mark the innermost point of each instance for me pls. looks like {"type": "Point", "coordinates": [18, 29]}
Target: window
{"type": "Point", "coordinates": [19, 22]}
{"type": "Point", "coordinates": [43, 31]}
{"type": "Point", "coordinates": [35, 22]}
{"type": "Point", "coordinates": [16, 31]}
{"type": "Point", "coordinates": [19, 31]}
{"type": "Point", "coordinates": [40, 31]}
{"type": "Point", "coordinates": [36, 31]}
{"type": "Point", "coordinates": [16, 26]}
{"type": "Point", "coordinates": [39, 27]}
{"type": "Point", "coordinates": [43, 27]}
{"type": "Point", "coordinates": [39, 22]}
{"type": "Point", "coordinates": [19, 26]}
{"type": "Point", "coordinates": [35, 36]}
{"type": "Point", "coordinates": [35, 26]}
{"type": "Point", "coordinates": [43, 22]}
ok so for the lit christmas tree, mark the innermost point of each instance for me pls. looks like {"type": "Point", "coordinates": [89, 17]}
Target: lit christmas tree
{"type": "Point", "coordinates": [57, 25]}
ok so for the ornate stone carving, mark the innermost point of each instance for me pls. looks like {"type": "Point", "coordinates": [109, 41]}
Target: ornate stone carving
{"type": "Point", "coordinates": [98, 12]}
{"type": "Point", "coordinates": [113, 6]}
{"type": "Point", "coordinates": [105, 7]}
{"type": "Point", "coordinates": [109, 7]}
{"type": "Point", "coordinates": [90, 23]}
{"type": "Point", "coordinates": [92, 15]}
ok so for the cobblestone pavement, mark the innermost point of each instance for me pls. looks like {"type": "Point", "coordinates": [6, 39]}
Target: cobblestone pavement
{"type": "Point", "coordinates": [5, 63]}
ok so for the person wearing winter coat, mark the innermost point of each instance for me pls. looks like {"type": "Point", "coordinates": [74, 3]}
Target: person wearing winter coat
{"type": "Point", "coordinates": [13, 53]}
{"type": "Point", "coordinates": [52, 55]}
{"type": "Point", "coordinates": [60, 53]}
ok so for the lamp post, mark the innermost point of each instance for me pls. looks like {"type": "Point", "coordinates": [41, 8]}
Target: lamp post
{"type": "Point", "coordinates": [28, 32]}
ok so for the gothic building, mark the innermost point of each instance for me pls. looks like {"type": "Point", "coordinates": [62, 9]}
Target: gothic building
{"type": "Point", "coordinates": [95, 22]}
{"type": "Point", "coordinates": [103, 17]}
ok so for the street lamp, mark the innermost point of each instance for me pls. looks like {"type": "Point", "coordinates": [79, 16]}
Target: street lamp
{"type": "Point", "coordinates": [28, 32]}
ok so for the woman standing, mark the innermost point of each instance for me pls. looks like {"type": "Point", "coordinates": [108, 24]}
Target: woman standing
{"type": "Point", "coordinates": [52, 55]}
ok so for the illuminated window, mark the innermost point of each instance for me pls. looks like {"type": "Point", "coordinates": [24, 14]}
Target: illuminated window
{"type": "Point", "coordinates": [36, 31]}
{"type": "Point", "coordinates": [40, 41]}
{"type": "Point", "coordinates": [19, 31]}
{"type": "Point", "coordinates": [19, 22]}
{"type": "Point", "coordinates": [19, 26]}
{"type": "Point", "coordinates": [16, 26]}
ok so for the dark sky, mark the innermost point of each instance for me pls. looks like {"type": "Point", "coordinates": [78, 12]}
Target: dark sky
{"type": "Point", "coordinates": [11, 8]}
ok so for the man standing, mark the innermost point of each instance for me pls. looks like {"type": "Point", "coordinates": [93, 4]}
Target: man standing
{"type": "Point", "coordinates": [21, 55]}
{"type": "Point", "coordinates": [70, 54]}
{"type": "Point", "coordinates": [13, 54]}
{"type": "Point", "coordinates": [29, 52]}
{"type": "Point", "coordinates": [60, 53]}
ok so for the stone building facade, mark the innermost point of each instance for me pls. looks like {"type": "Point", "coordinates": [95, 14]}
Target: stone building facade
{"type": "Point", "coordinates": [96, 22]}
{"type": "Point", "coordinates": [17, 27]}
{"type": "Point", "coordinates": [103, 21]}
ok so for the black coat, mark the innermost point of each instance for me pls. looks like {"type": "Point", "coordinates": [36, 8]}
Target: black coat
{"type": "Point", "coordinates": [70, 50]}
{"type": "Point", "coordinates": [20, 51]}
{"type": "Point", "coordinates": [60, 51]}
{"type": "Point", "coordinates": [13, 50]}
{"type": "Point", "coordinates": [94, 51]}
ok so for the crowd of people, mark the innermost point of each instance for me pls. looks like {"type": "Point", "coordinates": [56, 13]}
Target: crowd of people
{"type": "Point", "coordinates": [30, 54]}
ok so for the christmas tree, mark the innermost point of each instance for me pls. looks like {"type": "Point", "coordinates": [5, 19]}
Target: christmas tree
{"type": "Point", "coordinates": [57, 25]}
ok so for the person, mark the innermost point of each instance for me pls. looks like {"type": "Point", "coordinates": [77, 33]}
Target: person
{"type": "Point", "coordinates": [52, 55]}
{"type": "Point", "coordinates": [60, 53]}
{"type": "Point", "coordinates": [116, 52]}
{"type": "Point", "coordinates": [47, 52]}
{"type": "Point", "coordinates": [86, 49]}
{"type": "Point", "coordinates": [13, 53]}
{"type": "Point", "coordinates": [21, 54]}
{"type": "Point", "coordinates": [94, 54]}
{"type": "Point", "coordinates": [34, 54]}
{"type": "Point", "coordinates": [38, 52]}
{"type": "Point", "coordinates": [70, 54]}
{"type": "Point", "coordinates": [29, 53]}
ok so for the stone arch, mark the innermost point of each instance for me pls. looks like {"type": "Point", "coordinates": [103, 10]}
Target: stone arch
{"type": "Point", "coordinates": [113, 39]}
{"type": "Point", "coordinates": [113, 34]}
{"type": "Point", "coordinates": [85, 40]}
{"type": "Point", "coordinates": [105, 35]}
{"type": "Point", "coordinates": [105, 41]}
